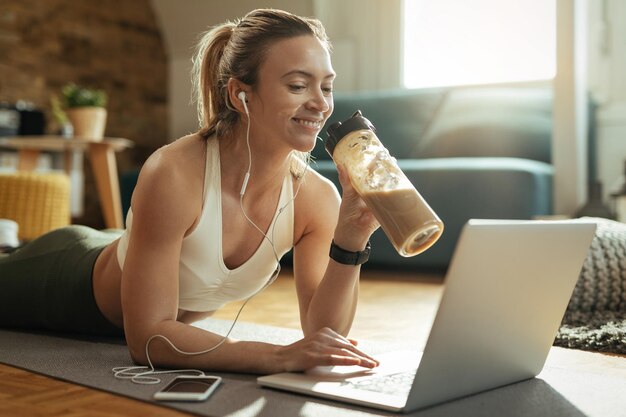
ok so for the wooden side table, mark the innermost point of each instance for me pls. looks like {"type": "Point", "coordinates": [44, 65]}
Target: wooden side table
{"type": "Point", "coordinates": [102, 157]}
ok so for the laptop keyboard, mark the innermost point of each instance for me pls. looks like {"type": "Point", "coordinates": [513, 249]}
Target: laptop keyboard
{"type": "Point", "coordinates": [393, 384]}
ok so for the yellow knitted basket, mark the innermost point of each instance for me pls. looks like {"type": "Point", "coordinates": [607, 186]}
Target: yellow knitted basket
{"type": "Point", "coordinates": [38, 202]}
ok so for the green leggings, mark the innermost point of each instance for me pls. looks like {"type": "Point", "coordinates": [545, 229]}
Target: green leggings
{"type": "Point", "coordinates": [47, 284]}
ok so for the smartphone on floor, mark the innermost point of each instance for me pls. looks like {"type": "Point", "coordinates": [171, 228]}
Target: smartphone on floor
{"type": "Point", "coordinates": [188, 388]}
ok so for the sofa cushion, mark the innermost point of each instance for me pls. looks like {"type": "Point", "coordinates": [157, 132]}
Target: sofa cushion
{"type": "Point", "coordinates": [400, 116]}
{"type": "Point", "coordinates": [491, 122]}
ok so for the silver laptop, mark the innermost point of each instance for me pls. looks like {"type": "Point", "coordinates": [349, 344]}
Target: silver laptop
{"type": "Point", "coordinates": [506, 290]}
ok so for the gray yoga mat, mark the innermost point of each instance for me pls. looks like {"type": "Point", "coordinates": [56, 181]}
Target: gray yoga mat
{"type": "Point", "coordinates": [558, 392]}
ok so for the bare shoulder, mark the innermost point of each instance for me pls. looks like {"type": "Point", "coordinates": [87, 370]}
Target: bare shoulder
{"type": "Point", "coordinates": [319, 187]}
{"type": "Point", "coordinates": [171, 181]}
{"type": "Point", "coordinates": [317, 204]}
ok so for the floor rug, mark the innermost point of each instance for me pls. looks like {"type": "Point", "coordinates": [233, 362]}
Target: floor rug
{"type": "Point", "coordinates": [595, 319]}
{"type": "Point", "coordinates": [597, 332]}
{"type": "Point", "coordinates": [557, 391]}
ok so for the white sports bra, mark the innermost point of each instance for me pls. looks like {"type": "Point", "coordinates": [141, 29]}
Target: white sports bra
{"type": "Point", "coordinates": [205, 283]}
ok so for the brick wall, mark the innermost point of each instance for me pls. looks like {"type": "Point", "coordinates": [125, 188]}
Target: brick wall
{"type": "Point", "coordinates": [115, 45]}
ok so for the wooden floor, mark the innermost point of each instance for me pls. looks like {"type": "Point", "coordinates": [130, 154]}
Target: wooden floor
{"type": "Point", "coordinates": [391, 305]}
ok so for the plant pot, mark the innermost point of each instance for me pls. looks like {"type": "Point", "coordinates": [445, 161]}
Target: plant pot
{"type": "Point", "coordinates": [88, 122]}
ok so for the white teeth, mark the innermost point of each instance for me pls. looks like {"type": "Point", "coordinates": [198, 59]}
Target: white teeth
{"type": "Point", "coordinates": [308, 123]}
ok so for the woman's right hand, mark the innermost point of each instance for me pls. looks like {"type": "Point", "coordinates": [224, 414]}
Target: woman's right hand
{"type": "Point", "coordinates": [323, 348]}
{"type": "Point", "coordinates": [356, 222]}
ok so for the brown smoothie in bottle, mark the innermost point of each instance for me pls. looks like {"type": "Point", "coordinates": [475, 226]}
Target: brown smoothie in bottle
{"type": "Point", "coordinates": [407, 220]}
{"type": "Point", "coordinates": [405, 217]}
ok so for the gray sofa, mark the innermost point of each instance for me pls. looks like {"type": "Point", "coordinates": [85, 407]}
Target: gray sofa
{"type": "Point", "coordinates": [471, 153]}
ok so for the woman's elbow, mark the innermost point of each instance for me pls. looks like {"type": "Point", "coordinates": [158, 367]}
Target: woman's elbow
{"type": "Point", "coordinates": [136, 341]}
{"type": "Point", "coordinates": [137, 350]}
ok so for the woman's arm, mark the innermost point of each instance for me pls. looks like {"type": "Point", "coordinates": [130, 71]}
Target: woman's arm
{"type": "Point", "coordinates": [166, 205]}
{"type": "Point", "coordinates": [327, 290]}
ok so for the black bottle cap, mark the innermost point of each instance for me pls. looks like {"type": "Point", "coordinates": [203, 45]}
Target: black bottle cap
{"type": "Point", "coordinates": [338, 130]}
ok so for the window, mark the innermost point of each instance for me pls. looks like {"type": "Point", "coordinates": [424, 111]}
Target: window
{"type": "Point", "coordinates": [452, 42]}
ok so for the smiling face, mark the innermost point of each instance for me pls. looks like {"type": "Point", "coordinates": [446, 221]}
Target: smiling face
{"type": "Point", "coordinates": [293, 96]}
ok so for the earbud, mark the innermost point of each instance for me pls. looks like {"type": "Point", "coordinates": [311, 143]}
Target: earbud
{"type": "Point", "coordinates": [242, 97]}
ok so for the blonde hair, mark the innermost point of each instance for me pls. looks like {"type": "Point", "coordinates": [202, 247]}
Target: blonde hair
{"type": "Point", "coordinates": [237, 50]}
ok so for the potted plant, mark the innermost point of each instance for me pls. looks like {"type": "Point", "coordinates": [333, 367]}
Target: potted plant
{"type": "Point", "coordinates": [86, 110]}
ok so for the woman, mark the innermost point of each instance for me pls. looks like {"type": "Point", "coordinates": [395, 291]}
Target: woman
{"type": "Point", "coordinates": [211, 214]}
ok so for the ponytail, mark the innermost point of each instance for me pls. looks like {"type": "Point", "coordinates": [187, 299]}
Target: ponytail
{"type": "Point", "coordinates": [208, 89]}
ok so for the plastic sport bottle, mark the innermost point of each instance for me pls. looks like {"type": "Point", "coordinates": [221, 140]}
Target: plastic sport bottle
{"type": "Point", "coordinates": [405, 217]}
